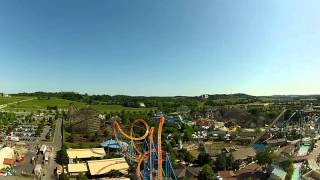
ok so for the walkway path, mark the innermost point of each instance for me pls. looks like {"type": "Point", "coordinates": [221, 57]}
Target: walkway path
{"type": "Point", "coordinates": [57, 144]}
{"type": "Point", "coordinates": [312, 157]}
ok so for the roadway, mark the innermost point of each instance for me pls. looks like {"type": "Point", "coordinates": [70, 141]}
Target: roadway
{"type": "Point", "coordinates": [312, 158]}
{"type": "Point", "coordinates": [57, 144]}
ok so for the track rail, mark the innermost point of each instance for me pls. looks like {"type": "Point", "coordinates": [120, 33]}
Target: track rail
{"type": "Point", "coordinates": [147, 154]}
{"type": "Point", "coordinates": [269, 127]}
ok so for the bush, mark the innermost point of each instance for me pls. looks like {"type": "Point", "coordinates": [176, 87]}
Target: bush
{"type": "Point", "coordinates": [114, 174]}
{"type": "Point", "coordinates": [207, 173]}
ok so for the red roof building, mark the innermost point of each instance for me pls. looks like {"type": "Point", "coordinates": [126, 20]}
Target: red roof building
{"type": "Point", "coordinates": [8, 161]}
{"type": "Point", "coordinates": [227, 175]}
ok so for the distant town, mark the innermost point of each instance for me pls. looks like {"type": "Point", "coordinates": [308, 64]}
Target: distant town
{"type": "Point", "coordinates": [67, 135]}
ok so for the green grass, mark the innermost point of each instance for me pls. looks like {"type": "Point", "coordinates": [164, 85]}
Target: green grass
{"type": "Point", "coordinates": [37, 104]}
{"type": "Point", "coordinates": [6, 100]}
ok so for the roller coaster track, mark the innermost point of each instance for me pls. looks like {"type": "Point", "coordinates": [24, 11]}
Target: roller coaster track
{"type": "Point", "coordinates": [116, 125]}
{"type": "Point", "coordinates": [117, 128]}
{"type": "Point", "coordinates": [140, 158]}
{"type": "Point", "coordinates": [159, 148]}
{"type": "Point", "coordinates": [284, 124]}
{"type": "Point", "coordinates": [259, 136]}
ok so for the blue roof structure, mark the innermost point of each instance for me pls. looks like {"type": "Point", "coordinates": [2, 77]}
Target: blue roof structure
{"type": "Point", "coordinates": [259, 147]}
{"type": "Point", "coordinates": [112, 143]}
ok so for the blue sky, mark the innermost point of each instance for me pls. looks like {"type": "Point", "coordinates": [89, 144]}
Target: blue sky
{"type": "Point", "coordinates": [144, 47]}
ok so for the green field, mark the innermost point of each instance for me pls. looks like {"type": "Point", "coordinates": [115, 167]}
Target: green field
{"type": "Point", "coordinates": [6, 100]}
{"type": "Point", "coordinates": [37, 104]}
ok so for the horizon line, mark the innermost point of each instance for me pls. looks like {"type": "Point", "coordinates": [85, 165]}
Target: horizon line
{"type": "Point", "coordinates": [100, 94]}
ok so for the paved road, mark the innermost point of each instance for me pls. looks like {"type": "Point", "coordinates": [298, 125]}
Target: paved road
{"type": "Point", "coordinates": [57, 144]}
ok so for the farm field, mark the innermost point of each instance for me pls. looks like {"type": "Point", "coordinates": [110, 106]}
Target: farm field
{"type": "Point", "coordinates": [6, 100]}
{"type": "Point", "coordinates": [41, 104]}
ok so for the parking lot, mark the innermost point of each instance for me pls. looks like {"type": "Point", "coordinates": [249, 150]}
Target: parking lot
{"type": "Point", "coordinates": [27, 133]}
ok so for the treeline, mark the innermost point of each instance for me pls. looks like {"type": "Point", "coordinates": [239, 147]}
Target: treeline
{"type": "Point", "coordinates": [6, 118]}
{"type": "Point", "coordinates": [165, 104]}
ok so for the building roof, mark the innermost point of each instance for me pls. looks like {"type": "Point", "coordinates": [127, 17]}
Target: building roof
{"type": "Point", "coordinates": [289, 149]}
{"type": "Point", "coordinates": [180, 173]}
{"type": "Point", "coordinates": [8, 161]}
{"type": "Point", "coordinates": [258, 147]}
{"type": "Point", "coordinates": [276, 141]}
{"type": "Point", "coordinates": [279, 172]}
{"type": "Point", "coordinates": [243, 153]}
{"type": "Point", "coordinates": [77, 168]}
{"type": "Point", "coordinates": [6, 153]}
{"type": "Point", "coordinates": [113, 144]}
{"type": "Point", "coordinates": [183, 171]}
{"type": "Point", "coordinates": [194, 171]}
{"type": "Point", "coordinates": [227, 175]}
{"type": "Point", "coordinates": [313, 174]}
{"type": "Point", "coordinates": [251, 168]}
{"type": "Point", "coordinates": [85, 153]}
{"type": "Point", "coordinates": [99, 167]}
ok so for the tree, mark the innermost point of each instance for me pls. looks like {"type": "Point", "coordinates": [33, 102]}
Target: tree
{"type": "Point", "coordinates": [229, 124]}
{"type": "Point", "coordinates": [206, 173]}
{"type": "Point", "coordinates": [258, 130]}
{"type": "Point", "coordinates": [172, 152]}
{"type": "Point", "coordinates": [288, 167]}
{"type": "Point", "coordinates": [94, 137]}
{"type": "Point", "coordinates": [188, 157]}
{"type": "Point", "coordinates": [265, 157]}
{"type": "Point", "coordinates": [187, 136]}
{"type": "Point", "coordinates": [290, 170]}
{"type": "Point", "coordinates": [64, 176]}
{"type": "Point", "coordinates": [177, 137]}
{"type": "Point", "coordinates": [63, 155]}
{"type": "Point", "coordinates": [221, 162]}
{"type": "Point", "coordinates": [185, 155]}
{"type": "Point", "coordinates": [105, 133]}
{"type": "Point", "coordinates": [188, 131]}
{"type": "Point", "coordinates": [81, 176]}
{"type": "Point", "coordinates": [114, 174]}
{"type": "Point", "coordinates": [70, 138]}
{"type": "Point", "coordinates": [204, 158]}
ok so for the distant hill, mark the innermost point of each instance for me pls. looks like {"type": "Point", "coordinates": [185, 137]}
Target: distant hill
{"type": "Point", "coordinates": [230, 96]}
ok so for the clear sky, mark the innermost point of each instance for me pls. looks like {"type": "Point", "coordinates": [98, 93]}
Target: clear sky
{"type": "Point", "coordinates": [160, 47]}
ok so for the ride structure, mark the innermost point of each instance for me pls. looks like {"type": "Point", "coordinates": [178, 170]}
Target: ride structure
{"type": "Point", "coordinates": [144, 151]}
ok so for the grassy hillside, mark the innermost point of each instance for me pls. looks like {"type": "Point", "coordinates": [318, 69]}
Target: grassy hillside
{"type": "Point", "coordinates": [6, 100]}
{"type": "Point", "coordinates": [39, 104]}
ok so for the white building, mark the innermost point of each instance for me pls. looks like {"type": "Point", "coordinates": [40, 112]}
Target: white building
{"type": "Point", "coordinates": [6, 153]}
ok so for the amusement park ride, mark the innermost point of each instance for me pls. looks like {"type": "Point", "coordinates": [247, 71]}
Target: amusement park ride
{"type": "Point", "coordinates": [144, 152]}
